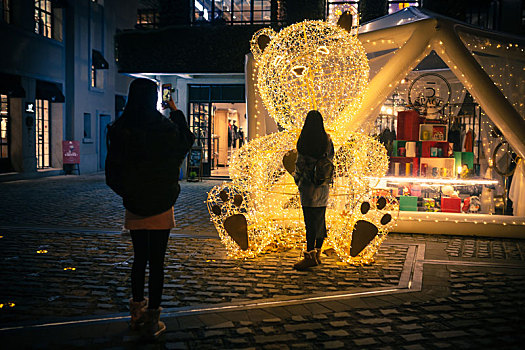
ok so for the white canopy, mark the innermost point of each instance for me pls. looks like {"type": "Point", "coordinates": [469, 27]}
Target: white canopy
{"type": "Point", "coordinates": [489, 64]}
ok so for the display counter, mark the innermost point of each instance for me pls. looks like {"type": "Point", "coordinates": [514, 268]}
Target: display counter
{"type": "Point", "coordinates": [461, 224]}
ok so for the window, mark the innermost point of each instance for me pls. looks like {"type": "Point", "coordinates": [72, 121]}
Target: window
{"type": "Point", "coordinates": [4, 127]}
{"type": "Point", "coordinates": [97, 43]}
{"type": "Point", "coordinates": [87, 127]}
{"type": "Point", "coordinates": [42, 127]}
{"type": "Point", "coordinates": [336, 8]}
{"type": "Point", "coordinates": [483, 14]}
{"type": "Point", "coordinates": [148, 18]}
{"type": "Point", "coordinates": [394, 5]}
{"type": "Point", "coordinates": [48, 19]}
{"type": "Point", "coordinates": [233, 11]}
{"type": "Point", "coordinates": [43, 17]}
{"type": "Point", "coordinates": [98, 67]}
{"type": "Point", "coordinates": [6, 15]}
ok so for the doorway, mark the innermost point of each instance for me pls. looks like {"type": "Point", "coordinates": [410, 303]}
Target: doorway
{"type": "Point", "coordinates": [105, 119]}
{"type": "Point", "coordinates": [42, 136]}
{"type": "Point", "coordinates": [213, 109]}
{"type": "Point", "coordinates": [5, 159]}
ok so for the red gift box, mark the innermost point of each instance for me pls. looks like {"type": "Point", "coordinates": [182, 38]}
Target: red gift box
{"type": "Point", "coordinates": [450, 205]}
{"type": "Point", "coordinates": [408, 125]}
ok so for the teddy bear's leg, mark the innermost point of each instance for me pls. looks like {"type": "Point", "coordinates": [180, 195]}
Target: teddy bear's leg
{"type": "Point", "coordinates": [228, 208]}
{"type": "Point", "coordinates": [375, 218]}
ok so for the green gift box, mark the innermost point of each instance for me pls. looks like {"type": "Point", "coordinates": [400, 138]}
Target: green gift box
{"type": "Point", "coordinates": [408, 203]}
{"type": "Point", "coordinates": [464, 158]}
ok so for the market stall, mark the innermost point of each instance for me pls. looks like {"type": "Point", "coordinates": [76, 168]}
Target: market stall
{"type": "Point", "coordinates": [446, 99]}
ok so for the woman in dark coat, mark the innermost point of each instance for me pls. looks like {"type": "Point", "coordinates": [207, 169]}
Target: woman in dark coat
{"type": "Point", "coordinates": [313, 144]}
{"type": "Point", "coordinates": [145, 151]}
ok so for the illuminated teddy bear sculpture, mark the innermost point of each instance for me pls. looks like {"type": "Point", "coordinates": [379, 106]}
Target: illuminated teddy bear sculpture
{"type": "Point", "coordinates": [311, 65]}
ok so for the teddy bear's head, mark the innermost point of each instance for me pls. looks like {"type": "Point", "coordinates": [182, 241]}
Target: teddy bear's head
{"type": "Point", "coordinates": [310, 65]}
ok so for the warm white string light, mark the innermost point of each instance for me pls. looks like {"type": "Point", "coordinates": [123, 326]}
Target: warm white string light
{"type": "Point", "coordinates": [308, 65]}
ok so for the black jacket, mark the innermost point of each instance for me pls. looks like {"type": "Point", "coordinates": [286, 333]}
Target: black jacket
{"type": "Point", "coordinates": [143, 161]}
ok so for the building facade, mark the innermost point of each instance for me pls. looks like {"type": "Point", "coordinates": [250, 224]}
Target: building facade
{"type": "Point", "coordinates": [198, 49]}
{"type": "Point", "coordinates": [59, 81]}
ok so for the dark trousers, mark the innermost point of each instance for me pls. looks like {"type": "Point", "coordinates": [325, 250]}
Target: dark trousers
{"type": "Point", "coordinates": [148, 246]}
{"type": "Point", "coordinates": [314, 221]}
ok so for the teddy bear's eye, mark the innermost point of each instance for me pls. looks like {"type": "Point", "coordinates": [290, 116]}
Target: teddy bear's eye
{"type": "Point", "coordinates": [323, 50]}
{"type": "Point", "coordinates": [299, 71]}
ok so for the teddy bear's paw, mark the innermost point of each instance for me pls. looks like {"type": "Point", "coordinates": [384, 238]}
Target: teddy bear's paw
{"type": "Point", "coordinates": [227, 206]}
{"type": "Point", "coordinates": [237, 227]}
{"type": "Point", "coordinates": [374, 219]}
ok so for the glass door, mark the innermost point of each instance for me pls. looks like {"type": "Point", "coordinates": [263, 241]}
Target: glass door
{"type": "Point", "coordinates": [200, 124]}
{"type": "Point", "coordinates": [5, 164]}
{"type": "Point", "coordinates": [43, 145]}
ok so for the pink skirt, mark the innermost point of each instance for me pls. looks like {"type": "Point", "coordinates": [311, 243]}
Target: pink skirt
{"type": "Point", "coordinates": [162, 221]}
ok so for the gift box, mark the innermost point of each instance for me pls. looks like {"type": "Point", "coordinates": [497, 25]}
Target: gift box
{"type": "Point", "coordinates": [415, 190]}
{"type": "Point", "coordinates": [408, 125]}
{"type": "Point", "coordinates": [464, 158]}
{"type": "Point", "coordinates": [450, 205]}
{"type": "Point", "coordinates": [429, 204]}
{"type": "Point", "coordinates": [408, 203]}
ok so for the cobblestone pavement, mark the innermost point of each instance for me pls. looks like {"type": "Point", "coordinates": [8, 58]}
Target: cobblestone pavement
{"type": "Point", "coordinates": [66, 274]}
{"type": "Point", "coordinates": [86, 202]}
{"type": "Point", "coordinates": [65, 269]}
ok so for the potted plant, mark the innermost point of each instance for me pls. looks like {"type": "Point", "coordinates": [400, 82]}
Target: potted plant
{"type": "Point", "coordinates": [192, 176]}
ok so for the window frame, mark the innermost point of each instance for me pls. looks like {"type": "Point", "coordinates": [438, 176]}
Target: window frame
{"type": "Point", "coordinates": [233, 15]}
{"type": "Point", "coordinates": [4, 100]}
{"type": "Point", "coordinates": [48, 15]}
{"type": "Point", "coordinates": [148, 18]}
{"type": "Point", "coordinates": [393, 2]}
{"type": "Point", "coordinates": [334, 3]}
{"type": "Point", "coordinates": [43, 159]}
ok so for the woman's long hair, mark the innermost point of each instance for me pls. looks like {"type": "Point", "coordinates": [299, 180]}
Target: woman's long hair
{"type": "Point", "coordinates": [142, 101]}
{"type": "Point", "coordinates": [313, 140]}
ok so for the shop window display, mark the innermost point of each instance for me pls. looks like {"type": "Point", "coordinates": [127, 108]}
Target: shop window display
{"type": "Point", "coordinates": [444, 157]}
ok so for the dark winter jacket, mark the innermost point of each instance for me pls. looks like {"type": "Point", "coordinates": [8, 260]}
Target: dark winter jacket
{"type": "Point", "coordinates": [144, 158]}
{"type": "Point", "coordinates": [311, 195]}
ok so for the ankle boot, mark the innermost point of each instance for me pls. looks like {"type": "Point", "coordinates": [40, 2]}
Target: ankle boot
{"type": "Point", "coordinates": [153, 327]}
{"type": "Point", "coordinates": [309, 260]}
{"type": "Point", "coordinates": [136, 310]}
{"type": "Point", "coordinates": [318, 255]}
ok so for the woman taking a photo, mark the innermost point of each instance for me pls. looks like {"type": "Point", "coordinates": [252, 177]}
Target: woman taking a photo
{"type": "Point", "coordinates": [145, 152]}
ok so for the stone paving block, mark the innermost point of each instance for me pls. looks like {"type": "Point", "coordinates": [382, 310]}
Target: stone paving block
{"type": "Point", "coordinates": [409, 327]}
{"type": "Point", "coordinates": [276, 347]}
{"type": "Point", "coordinates": [364, 341]}
{"type": "Point", "coordinates": [387, 312]}
{"type": "Point", "coordinates": [336, 344]}
{"type": "Point", "coordinates": [338, 324]}
{"type": "Point", "coordinates": [302, 327]}
{"type": "Point", "coordinates": [413, 337]}
{"type": "Point", "coordinates": [449, 334]}
{"type": "Point", "coordinates": [375, 320]}
{"type": "Point", "coordinates": [280, 338]}
{"type": "Point", "coordinates": [414, 347]}
{"type": "Point", "coordinates": [337, 333]}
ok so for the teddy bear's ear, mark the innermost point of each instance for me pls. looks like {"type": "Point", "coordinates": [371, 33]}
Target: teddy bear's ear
{"type": "Point", "coordinates": [260, 40]}
{"type": "Point", "coordinates": [349, 21]}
